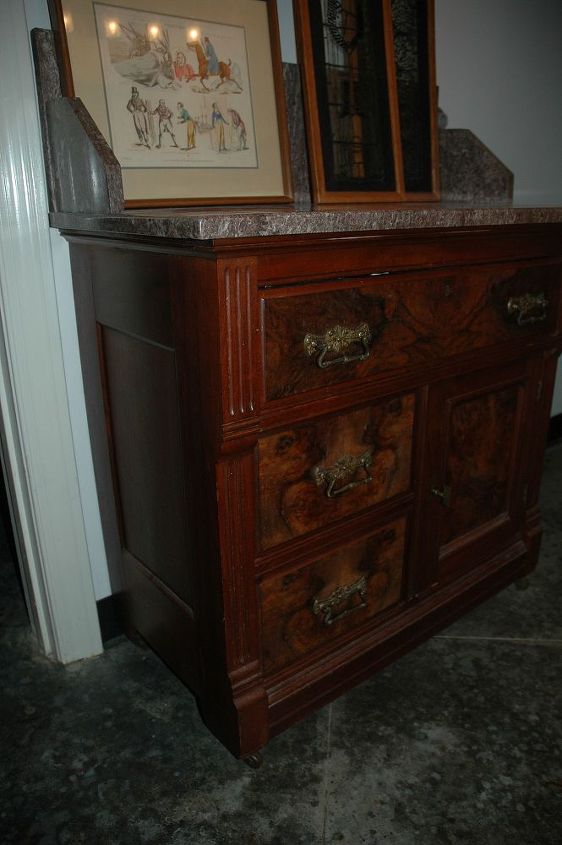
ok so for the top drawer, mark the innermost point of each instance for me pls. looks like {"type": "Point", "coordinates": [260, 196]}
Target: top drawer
{"type": "Point", "coordinates": [317, 335]}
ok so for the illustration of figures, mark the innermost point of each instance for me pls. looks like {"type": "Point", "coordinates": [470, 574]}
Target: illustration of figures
{"type": "Point", "coordinates": [212, 58]}
{"type": "Point", "coordinates": [138, 109]}
{"type": "Point", "coordinates": [218, 123]}
{"type": "Point", "coordinates": [239, 129]}
{"type": "Point", "coordinates": [169, 83]}
{"type": "Point", "coordinates": [164, 122]}
{"type": "Point", "coordinates": [183, 71]}
{"type": "Point", "coordinates": [185, 117]}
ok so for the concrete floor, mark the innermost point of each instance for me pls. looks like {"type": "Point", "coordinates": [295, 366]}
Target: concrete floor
{"type": "Point", "coordinates": [458, 742]}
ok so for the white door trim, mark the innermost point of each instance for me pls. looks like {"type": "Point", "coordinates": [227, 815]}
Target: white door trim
{"type": "Point", "coordinates": [37, 435]}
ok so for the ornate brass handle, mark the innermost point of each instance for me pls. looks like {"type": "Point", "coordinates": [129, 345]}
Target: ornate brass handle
{"type": "Point", "coordinates": [529, 308]}
{"type": "Point", "coordinates": [324, 608]}
{"type": "Point", "coordinates": [344, 468]}
{"type": "Point", "coordinates": [337, 340]}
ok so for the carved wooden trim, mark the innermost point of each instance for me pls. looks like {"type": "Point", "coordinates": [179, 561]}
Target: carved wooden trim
{"type": "Point", "coordinates": [240, 353]}
{"type": "Point", "coordinates": [235, 497]}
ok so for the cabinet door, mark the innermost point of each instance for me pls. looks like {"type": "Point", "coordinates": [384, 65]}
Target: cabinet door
{"type": "Point", "coordinates": [476, 460]}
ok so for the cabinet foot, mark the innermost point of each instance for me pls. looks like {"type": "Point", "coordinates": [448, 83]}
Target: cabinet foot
{"type": "Point", "coordinates": [254, 761]}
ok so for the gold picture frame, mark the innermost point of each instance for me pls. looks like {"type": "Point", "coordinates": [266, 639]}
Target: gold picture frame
{"type": "Point", "coordinates": [189, 97]}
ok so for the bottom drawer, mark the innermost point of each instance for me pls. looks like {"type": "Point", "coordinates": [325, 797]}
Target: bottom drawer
{"type": "Point", "coordinates": [315, 605]}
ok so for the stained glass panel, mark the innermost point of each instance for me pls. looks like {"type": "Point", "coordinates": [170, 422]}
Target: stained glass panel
{"type": "Point", "coordinates": [350, 67]}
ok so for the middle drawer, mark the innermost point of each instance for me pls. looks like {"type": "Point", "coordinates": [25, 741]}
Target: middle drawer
{"type": "Point", "coordinates": [320, 472]}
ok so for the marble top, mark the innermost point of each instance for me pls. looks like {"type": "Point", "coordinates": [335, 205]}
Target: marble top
{"type": "Point", "coordinates": [260, 221]}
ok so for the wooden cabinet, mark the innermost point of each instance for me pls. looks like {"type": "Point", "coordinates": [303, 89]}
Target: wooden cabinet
{"type": "Point", "coordinates": [322, 449]}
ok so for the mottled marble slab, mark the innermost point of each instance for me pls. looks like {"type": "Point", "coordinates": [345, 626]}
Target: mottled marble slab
{"type": "Point", "coordinates": [253, 221]}
{"type": "Point", "coordinates": [469, 171]}
{"type": "Point", "coordinates": [82, 171]}
{"type": "Point", "coordinates": [88, 176]}
{"type": "Point", "coordinates": [297, 134]}
{"type": "Point", "coordinates": [47, 80]}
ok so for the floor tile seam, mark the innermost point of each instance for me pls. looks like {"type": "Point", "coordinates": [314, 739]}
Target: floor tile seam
{"type": "Point", "coordinates": [325, 787]}
{"type": "Point", "coordinates": [515, 640]}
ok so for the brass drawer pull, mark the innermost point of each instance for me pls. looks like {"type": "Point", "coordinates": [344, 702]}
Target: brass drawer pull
{"type": "Point", "coordinates": [344, 468]}
{"type": "Point", "coordinates": [530, 308]}
{"type": "Point", "coordinates": [336, 341]}
{"type": "Point", "coordinates": [325, 607]}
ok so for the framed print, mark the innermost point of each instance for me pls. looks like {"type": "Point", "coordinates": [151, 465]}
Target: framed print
{"type": "Point", "coordinates": [368, 73]}
{"type": "Point", "coordinates": [188, 94]}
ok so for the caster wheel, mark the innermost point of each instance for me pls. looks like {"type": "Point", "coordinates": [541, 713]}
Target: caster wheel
{"type": "Point", "coordinates": [254, 761]}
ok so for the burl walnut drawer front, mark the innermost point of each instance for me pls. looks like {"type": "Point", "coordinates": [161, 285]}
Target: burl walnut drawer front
{"type": "Point", "coordinates": [324, 335]}
{"type": "Point", "coordinates": [320, 602]}
{"type": "Point", "coordinates": [319, 472]}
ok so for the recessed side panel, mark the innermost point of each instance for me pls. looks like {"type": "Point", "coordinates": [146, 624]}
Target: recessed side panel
{"type": "Point", "coordinates": [148, 463]}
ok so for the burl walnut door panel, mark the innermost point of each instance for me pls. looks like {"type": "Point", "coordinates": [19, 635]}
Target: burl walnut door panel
{"type": "Point", "coordinates": [323, 335]}
{"type": "Point", "coordinates": [320, 472]}
{"type": "Point", "coordinates": [478, 438]}
{"type": "Point", "coordinates": [316, 604]}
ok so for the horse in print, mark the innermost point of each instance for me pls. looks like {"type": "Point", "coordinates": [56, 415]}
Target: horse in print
{"type": "Point", "coordinates": [226, 69]}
